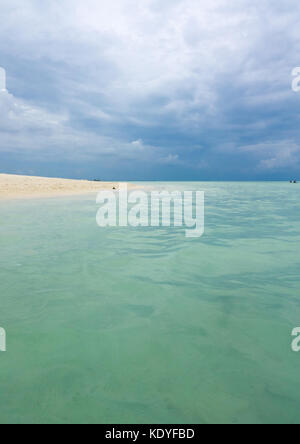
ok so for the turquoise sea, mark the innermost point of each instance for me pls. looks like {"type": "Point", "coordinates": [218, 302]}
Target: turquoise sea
{"type": "Point", "coordinates": [141, 325]}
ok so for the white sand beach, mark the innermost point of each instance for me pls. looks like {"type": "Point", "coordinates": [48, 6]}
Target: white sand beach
{"type": "Point", "coordinates": [14, 186]}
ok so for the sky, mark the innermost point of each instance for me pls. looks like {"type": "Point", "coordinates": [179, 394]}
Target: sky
{"type": "Point", "coordinates": [150, 89]}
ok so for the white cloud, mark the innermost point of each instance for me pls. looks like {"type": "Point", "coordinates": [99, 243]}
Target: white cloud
{"type": "Point", "coordinates": [17, 115]}
{"type": "Point", "coordinates": [27, 127]}
{"type": "Point", "coordinates": [182, 67]}
{"type": "Point", "coordinates": [171, 159]}
{"type": "Point", "coordinates": [276, 155]}
{"type": "Point", "coordinates": [177, 51]}
{"type": "Point", "coordinates": [138, 144]}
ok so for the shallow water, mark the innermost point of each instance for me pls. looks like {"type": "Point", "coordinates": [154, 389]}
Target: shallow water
{"type": "Point", "coordinates": [141, 325]}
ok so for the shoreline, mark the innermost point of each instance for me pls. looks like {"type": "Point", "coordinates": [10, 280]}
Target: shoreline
{"type": "Point", "coordinates": [29, 187]}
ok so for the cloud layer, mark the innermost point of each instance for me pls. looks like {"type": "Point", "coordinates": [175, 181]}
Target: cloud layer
{"type": "Point", "coordinates": [173, 89]}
